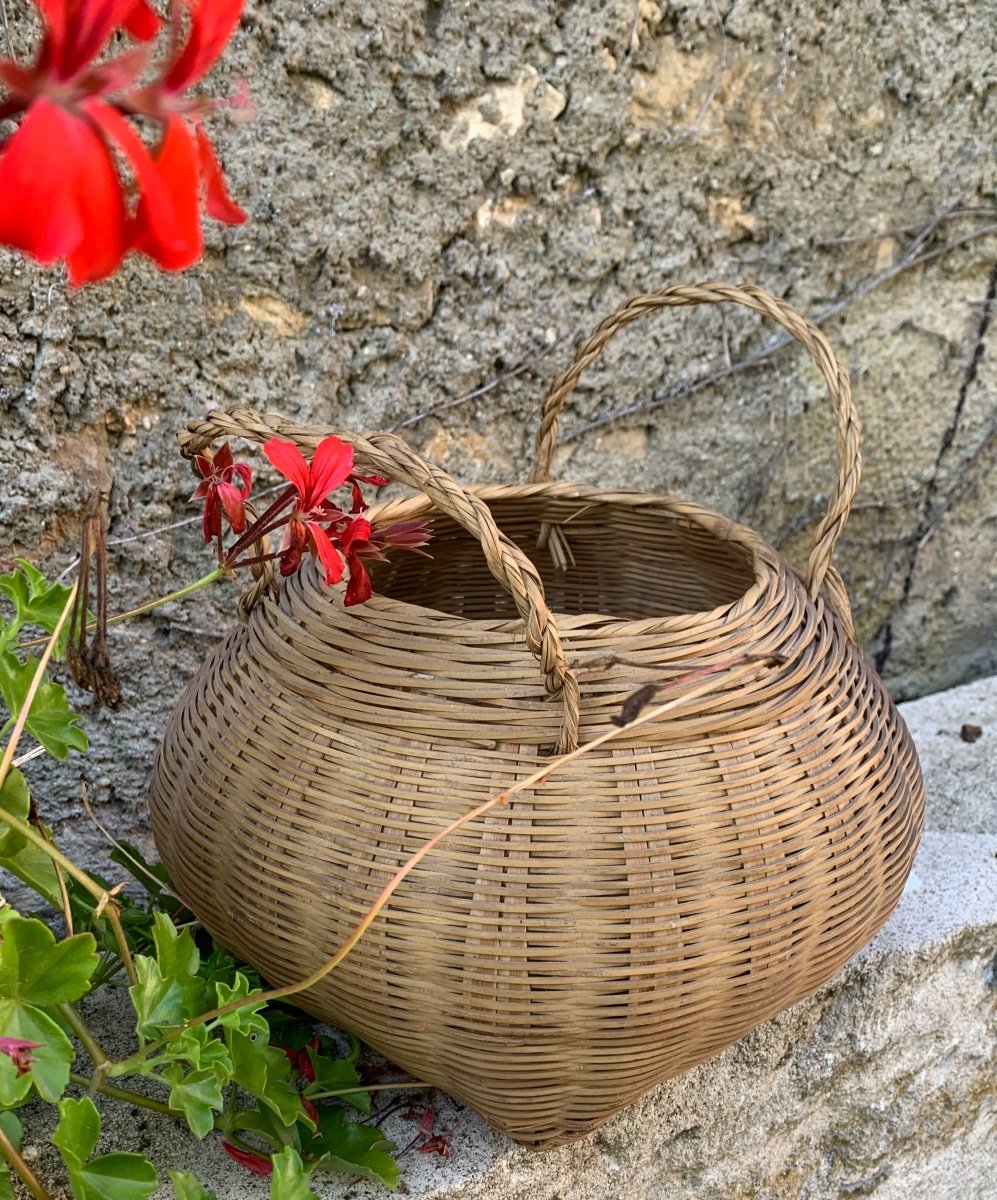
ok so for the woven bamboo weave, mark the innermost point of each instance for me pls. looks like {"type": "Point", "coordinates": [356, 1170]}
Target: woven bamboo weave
{"type": "Point", "coordinates": [649, 903]}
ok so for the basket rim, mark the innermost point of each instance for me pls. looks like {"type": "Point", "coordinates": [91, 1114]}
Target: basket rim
{"type": "Point", "coordinates": [766, 564]}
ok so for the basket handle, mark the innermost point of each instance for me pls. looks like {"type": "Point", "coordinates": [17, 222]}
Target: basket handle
{"type": "Point", "coordinates": [820, 571]}
{"type": "Point", "coordinates": [390, 454]}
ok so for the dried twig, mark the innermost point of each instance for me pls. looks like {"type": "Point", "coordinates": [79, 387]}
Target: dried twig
{"type": "Point", "coordinates": [6, 31]}
{"type": "Point", "coordinates": [523, 365]}
{"type": "Point", "coordinates": [912, 258]}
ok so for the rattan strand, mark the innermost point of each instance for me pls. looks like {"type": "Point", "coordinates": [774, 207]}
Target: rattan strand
{"type": "Point", "coordinates": [648, 905]}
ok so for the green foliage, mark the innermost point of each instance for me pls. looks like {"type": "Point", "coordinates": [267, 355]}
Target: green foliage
{"type": "Point", "coordinates": [290, 1179]}
{"type": "Point", "coordinates": [37, 604]}
{"type": "Point", "coordinates": [215, 1070]}
{"type": "Point", "coordinates": [115, 1176]}
{"type": "Point", "coordinates": [11, 1127]}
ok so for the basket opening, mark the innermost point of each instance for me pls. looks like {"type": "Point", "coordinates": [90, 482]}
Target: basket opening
{"type": "Point", "coordinates": [630, 563]}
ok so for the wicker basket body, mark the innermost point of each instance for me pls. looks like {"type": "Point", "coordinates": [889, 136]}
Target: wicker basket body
{"type": "Point", "coordinates": [644, 907]}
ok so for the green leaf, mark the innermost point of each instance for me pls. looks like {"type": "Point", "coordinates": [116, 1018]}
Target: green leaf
{"type": "Point", "coordinates": [78, 1128]}
{"type": "Point", "coordinates": [350, 1148]}
{"type": "Point", "coordinates": [34, 867]}
{"type": "Point", "coordinates": [201, 1049]}
{"type": "Point", "coordinates": [176, 952]}
{"type": "Point", "coordinates": [198, 1095]}
{"type": "Point", "coordinates": [247, 1019]}
{"type": "Point", "coordinates": [36, 602]}
{"type": "Point", "coordinates": [264, 1072]}
{"type": "Point", "coordinates": [51, 1062]}
{"type": "Point", "coordinates": [290, 1179]}
{"type": "Point", "coordinates": [158, 1002]}
{"type": "Point", "coordinates": [12, 1128]}
{"type": "Point", "coordinates": [14, 799]}
{"type": "Point", "coordinates": [186, 1187]}
{"type": "Point", "coordinates": [334, 1074]}
{"type": "Point", "coordinates": [51, 721]}
{"type": "Point", "coordinates": [37, 969]}
{"type": "Point", "coordinates": [115, 1176]}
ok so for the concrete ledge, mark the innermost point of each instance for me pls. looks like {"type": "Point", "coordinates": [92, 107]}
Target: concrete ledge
{"type": "Point", "coordinates": [882, 1084]}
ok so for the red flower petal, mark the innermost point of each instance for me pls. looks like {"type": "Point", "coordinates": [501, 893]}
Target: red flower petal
{"type": "Point", "coordinates": [157, 222]}
{"type": "Point", "coordinates": [142, 21]}
{"type": "Point", "coordinates": [223, 457]}
{"type": "Point", "coordinates": [292, 546]}
{"type": "Point", "coordinates": [291, 463]}
{"type": "Point", "coordinates": [248, 1159]}
{"type": "Point", "coordinates": [39, 213]}
{"type": "Point", "coordinates": [358, 530]}
{"type": "Point", "coordinates": [310, 1108]}
{"type": "Point", "coordinates": [217, 200]}
{"type": "Point", "coordinates": [328, 555]}
{"type": "Point", "coordinates": [358, 590]}
{"type": "Point", "coordinates": [172, 237]}
{"type": "Point", "coordinates": [211, 26]}
{"type": "Point", "coordinates": [331, 464]}
{"type": "Point", "coordinates": [232, 502]}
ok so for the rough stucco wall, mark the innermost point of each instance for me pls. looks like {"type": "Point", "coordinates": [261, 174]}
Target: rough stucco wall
{"type": "Point", "coordinates": [393, 261]}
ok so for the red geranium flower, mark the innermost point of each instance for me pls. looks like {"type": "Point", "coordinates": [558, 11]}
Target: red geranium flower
{"type": "Point", "coordinates": [329, 469]}
{"type": "Point", "coordinates": [359, 541]}
{"type": "Point", "coordinates": [19, 1052]}
{"type": "Point", "coordinates": [220, 491]}
{"type": "Point", "coordinates": [61, 194]}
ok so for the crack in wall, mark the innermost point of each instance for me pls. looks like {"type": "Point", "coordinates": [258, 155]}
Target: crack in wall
{"type": "Point", "coordinates": [928, 521]}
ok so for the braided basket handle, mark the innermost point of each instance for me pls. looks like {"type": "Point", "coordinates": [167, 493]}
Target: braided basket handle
{"type": "Point", "coordinates": [820, 571]}
{"type": "Point", "coordinates": [388, 454]}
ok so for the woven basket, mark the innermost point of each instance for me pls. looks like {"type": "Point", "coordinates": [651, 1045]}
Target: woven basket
{"type": "Point", "coordinates": [648, 904]}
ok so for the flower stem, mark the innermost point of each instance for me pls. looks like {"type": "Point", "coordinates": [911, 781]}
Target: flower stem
{"type": "Point", "coordinates": [109, 1089]}
{"type": "Point", "coordinates": [180, 594]}
{"type": "Point", "coordinates": [24, 1172]}
{"type": "Point", "coordinates": [82, 1032]}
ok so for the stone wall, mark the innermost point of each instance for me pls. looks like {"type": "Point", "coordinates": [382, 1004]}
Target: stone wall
{"type": "Point", "coordinates": [444, 195]}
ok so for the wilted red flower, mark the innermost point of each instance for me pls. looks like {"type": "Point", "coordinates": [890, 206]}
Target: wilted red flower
{"type": "Point", "coordinates": [359, 541]}
{"type": "Point", "coordinates": [220, 491]}
{"type": "Point", "coordinates": [61, 194]}
{"type": "Point", "coordinates": [259, 1164]}
{"type": "Point", "coordinates": [329, 469]}
{"type": "Point", "coordinates": [437, 1144]}
{"type": "Point", "coordinates": [19, 1052]}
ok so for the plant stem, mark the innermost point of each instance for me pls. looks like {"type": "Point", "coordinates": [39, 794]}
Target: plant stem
{"type": "Point", "coordinates": [371, 1087]}
{"type": "Point", "coordinates": [24, 1172]}
{"type": "Point", "coordinates": [737, 667]}
{"type": "Point", "coordinates": [119, 1093]}
{"type": "Point", "coordinates": [114, 916]}
{"type": "Point", "coordinates": [84, 1035]}
{"type": "Point", "coordinates": [180, 594]}
{"type": "Point", "coordinates": [36, 682]}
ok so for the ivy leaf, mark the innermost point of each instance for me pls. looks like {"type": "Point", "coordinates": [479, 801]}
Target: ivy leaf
{"type": "Point", "coordinates": [186, 1187]}
{"type": "Point", "coordinates": [78, 1128]}
{"type": "Point", "coordinates": [350, 1148]}
{"type": "Point", "coordinates": [290, 1179]}
{"type": "Point", "coordinates": [36, 601]}
{"type": "Point", "coordinates": [335, 1074]}
{"type": "Point", "coordinates": [264, 1071]}
{"type": "Point", "coordinates": [36, 969]}
{"type": "Point", "coordinates": [12, 1128]}
{"type": "Point", "coordinates": [14, 799]}
{"type": "Point", "coordinates": [117, 1176]}
{"type": "Point", "coordinates": [198, 1095]}
{"type": "Point", "coordinates": [247, 1019]}
{"type": "Point", "coordinates": [179, 959]}
{"type": "Point", "coordinates": [158, 1002]}
{"type": "Point", "coordinates": [34, 867]}
{"type": "Point", "coordinates": [200, 1048]}
{"type": "Point", "coordinates": [51, 1060]}
{"type": "Point", "coordinates": [51, 721]}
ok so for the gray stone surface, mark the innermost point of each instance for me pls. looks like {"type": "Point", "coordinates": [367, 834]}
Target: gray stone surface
{"type": "Point", "coordinates": [438, 191]}
{"type": "Point", "coordinates": [882, 1084]}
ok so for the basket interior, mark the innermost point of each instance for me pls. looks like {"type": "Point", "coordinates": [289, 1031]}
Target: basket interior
{"type": "Point", "coordinates": [630, 563]}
